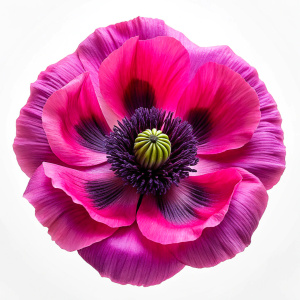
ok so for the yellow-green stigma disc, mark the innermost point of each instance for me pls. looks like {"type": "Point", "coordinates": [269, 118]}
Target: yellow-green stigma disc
{"type": "Point", "coordinates": [152, 148]}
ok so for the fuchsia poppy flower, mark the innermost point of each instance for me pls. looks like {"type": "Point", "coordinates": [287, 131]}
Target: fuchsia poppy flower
{"type": "Point", "coordinates": [147, 153]}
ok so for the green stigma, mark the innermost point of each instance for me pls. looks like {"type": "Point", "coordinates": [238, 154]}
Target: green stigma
{"type": "Point", "coordinates": [152, 148]}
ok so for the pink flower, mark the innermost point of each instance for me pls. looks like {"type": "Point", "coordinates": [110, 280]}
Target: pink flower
{"type": "Point", "coordinates": [147, 153]}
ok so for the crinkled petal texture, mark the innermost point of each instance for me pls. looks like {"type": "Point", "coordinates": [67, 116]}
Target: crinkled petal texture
{"type": "Point", "coordinates": [182, 214]}
{"type": "Point", "coordinates": [31, 145]}
{"type": "Point", "coordinates": [264, 155]}
{"type": "Point", "coordinates": [74, 124]}
{"type": "Point", "coordinates": [234, 233]}
{"type": "Point", "coordinates": [222, 108]}
{"type": "Point", "coordinates": [94, 50]}
{"type": "Point", "coordinates": [99, 191]}
{"type": "Point", "coordinates": [145, 74]}
{"type": "Point", "coordinates": [69, 224]}
{"type": "Point", "coordinates": [128, 257]}
{"type": "Point", "coordinates": [257, 156]}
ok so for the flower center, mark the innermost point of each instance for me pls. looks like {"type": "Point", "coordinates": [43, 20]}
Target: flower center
{"type": "Point", "coordinates": [152, 148]}
{"type": "Point", "coordinates": [142, 157]}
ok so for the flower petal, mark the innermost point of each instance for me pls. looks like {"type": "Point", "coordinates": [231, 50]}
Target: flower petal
{"type": "Point", "coordinates": [144, 74]}
{"type": "Point", "coordinates": [222, 108]}
{"type": "Point", "coordinates": [94, 50]}
{"type": "Point", "coordinates": [128, 257]}
{"type": "Point", "coordinates": [182, 214]}
{"type": "Point", "coordinates": [99, 191]}
{"type": "Point", "coordinates": [31, 145]}
{"type": "Point", "coordinates": [263, 156]}
{"type": "Point", "coordinates": [70, 226]}
{"type": "Point", "coordinates": [271, 163]}
{"type": "Point", "coordinates": [234, 233]}
{"type": "Point", "coordinates": [74, 124]}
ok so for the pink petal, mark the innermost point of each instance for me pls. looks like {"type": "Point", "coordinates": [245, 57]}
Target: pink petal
{"type": "Point", "coordinates": [104, 41]}
{"type": "Point", "coordinates": [271, 163]}
{"type": "Point", "coordinates": [144, 74]}
{"type": "Point", "coordinates": [183, 213]}
{"type": "Point", "coordinates": [31, 144]}
{"type": "Point", "coordinates": [128, 257]}
{"type": "Point", "coordinates": [222, 108]}
{"type": "Point", "coordinates": [70, 226]}
{"type": "Point", "coordinates": [225, 56]}
{"type": "Point", "coordinates": [74, 124]}
{"type": "Point", "coordinates": [99, 191]}
{"type": "Point", "coordinates": [234, 233]}
{"type": "Point", "coordinates": [263, 156]}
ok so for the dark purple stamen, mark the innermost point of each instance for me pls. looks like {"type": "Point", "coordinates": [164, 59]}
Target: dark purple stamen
{"type": "Point", "coordinates": [120, 143]}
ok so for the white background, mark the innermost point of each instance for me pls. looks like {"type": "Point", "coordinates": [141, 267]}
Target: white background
{"type": "Point", "coordinates": [36, 33]}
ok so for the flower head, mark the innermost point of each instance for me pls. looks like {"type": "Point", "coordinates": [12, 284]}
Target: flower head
{"type": "Point", "coordinates": [146, 152]}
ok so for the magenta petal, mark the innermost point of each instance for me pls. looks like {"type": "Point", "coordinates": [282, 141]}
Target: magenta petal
{"type": "Point", "coordinates": [263, 156]}
{"type": "Point", "coordinates": [144, 74]}
{"type": "Point", "coordinates": [31, 145]}
{"type": "Point", "coordinates": [234, 233]}
{"type": "Point", "coordinates": [225, 56]}
{"type": "Point", "coordinates": [182, 214]}
{"type": "Point", "coordinates": [128, 257]}
{"type": "Point", "coordinates": [74, 124]}
{"type": "Point", "coordinates": [99, 191]}
{"type": "Point", "coordinates": [104, 41]}
{"type": "Point", "coordinates": [265, 159]}
{"type": "Point", "coordinates": [208, 104]}
{"type": "Point", "coordinates": [70, 226]}
{"type": "Point", "coordinates": [94, 50]}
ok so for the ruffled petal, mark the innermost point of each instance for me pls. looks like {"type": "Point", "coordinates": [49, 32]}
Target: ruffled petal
{"type": "Point", "coordinates": [128, 257]}
{"type": "Point", "coordinates": [70, 226]}
{"type": "Point", "coordinates": [234, 233]}
{"type": "Point", "coordinates": [94, 50]}
{"type": "Point", "coordinates": [74, 124]}
{"type": "Point", "coordinates": [31, 145]}
{"type": "Point", "coordinates": [222, 108]}
{"type": "Point", "coordinates": [144, 74]}
{"type": "Point", "coordinates": [270, 156]}
{"type": "Point", "coordinates": [225, 56]}
{"type": "Point", "coordinates": [184, 211]}
{"type": "Point", "coordinates": [263, 156]}
{"type": "Point", "coordinates": [99, 191]}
